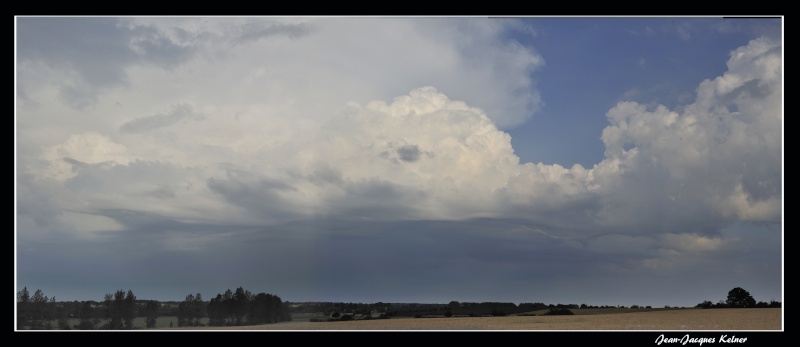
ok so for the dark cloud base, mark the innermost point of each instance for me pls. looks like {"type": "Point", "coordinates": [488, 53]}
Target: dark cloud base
{"type": "Point", "coordinates": [339, 260]}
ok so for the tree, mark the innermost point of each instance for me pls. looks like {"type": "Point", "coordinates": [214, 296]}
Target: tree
{"type": "Point", "coordinates": [151, 312]}
{"type": "Point", "coordinates": [129, 309]}
{"type": "Point", "coordinates": [740, 298]}
{"type": "Point", "coordinates": [186, 311]}
{"type": "Point", "coordinates": [39, 301]}
{"type": "Point", "coordinates": [241, 298]}
{"type": "Point", "coordinates": [216, 311]}
{"type": "Point", "coordinates": [191, 309]}
{"type": "Point", "coordinates": [114, 304]}
{"type": "Point", "coordinates": [23, 307]}
{"type": "Point", "coordinates": [121, 308]}
{"type": "Point", "coordinates": [38, 313]}
{"type": "Point", "coordinates": [198, 309]}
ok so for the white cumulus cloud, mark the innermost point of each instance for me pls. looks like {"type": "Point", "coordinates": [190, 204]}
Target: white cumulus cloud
{"type": "Point", "coordinates": [269, 120]}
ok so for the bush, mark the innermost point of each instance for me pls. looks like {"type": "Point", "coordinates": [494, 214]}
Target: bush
{"type": "Point", "coordinates": [559, 312]}
{"type": "Point", "coordinates": [705, 304]}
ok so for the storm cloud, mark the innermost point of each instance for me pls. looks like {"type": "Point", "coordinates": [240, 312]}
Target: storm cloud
{"type": "Point", "coordinates": [316, 143]}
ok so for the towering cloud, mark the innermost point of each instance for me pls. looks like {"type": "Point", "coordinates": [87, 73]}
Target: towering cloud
{"type": "Point", "coordinates": [426, 156]}
{"type": "Point", "coordinates": [716, 161]}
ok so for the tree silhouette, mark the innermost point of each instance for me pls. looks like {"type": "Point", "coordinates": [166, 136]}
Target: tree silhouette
{"type": "Point", "coordinates": [151, 313]}
{"type": "Point", "coordinates": [244, 308]}
{"type": "Point", "coordinates": [120, 309]}
{"type": "Point", "coordinates": [186, 311]}
{"type": "Point", "coordinates": [23, 307]}
{"type": "Point", "coordinates": [129, 311]}
{"type": "Point", "coordinates": [739, 297]}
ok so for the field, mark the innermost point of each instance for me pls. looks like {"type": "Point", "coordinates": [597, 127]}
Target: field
{"type": "Point", "coordinates": [746, 319]}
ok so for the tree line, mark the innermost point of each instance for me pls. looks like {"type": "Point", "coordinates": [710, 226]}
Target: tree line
{"type": "Point", "coordinates": [739, 298]}
{"type": "Point", "coordinates": [245, 308]}
{"type": "Point", "coordinates": [117, 311]}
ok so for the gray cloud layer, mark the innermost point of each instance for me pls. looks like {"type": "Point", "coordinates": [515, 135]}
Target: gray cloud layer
{"type": "Point", "coordinates": [148, 123]}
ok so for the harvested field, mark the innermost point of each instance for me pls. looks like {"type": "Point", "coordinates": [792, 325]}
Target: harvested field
{"type": "Point", "coordinates": [747, 319]}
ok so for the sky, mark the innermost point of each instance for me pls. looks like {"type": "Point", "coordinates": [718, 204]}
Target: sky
{"type": "Point", "coordinates": [597, 160]}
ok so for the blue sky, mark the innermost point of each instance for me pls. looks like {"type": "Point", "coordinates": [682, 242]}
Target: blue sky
{"type": "Point", "coordinates": [606, 161]}
{"type": "Point", "coordinates": [592, 63]}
